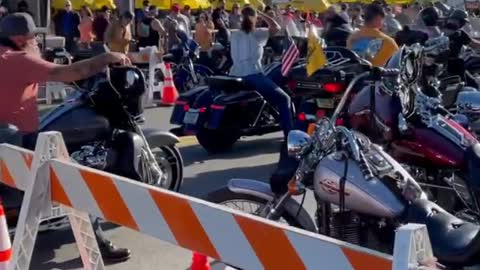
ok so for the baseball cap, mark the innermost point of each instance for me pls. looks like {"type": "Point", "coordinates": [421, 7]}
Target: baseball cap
{"type": "Point", "coordinates": [17, 24]}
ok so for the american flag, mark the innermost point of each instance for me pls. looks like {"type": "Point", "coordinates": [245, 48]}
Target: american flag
{"type": "Point", "coordinates": [290, 55]}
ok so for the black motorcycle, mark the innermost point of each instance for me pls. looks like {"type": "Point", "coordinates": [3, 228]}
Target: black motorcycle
{"type": "Point", "coordinates": [227, 109]}
{"type": "Point", "coordinates": [101, 129]}
{"type": "Point", "coordinates": [219, 114]}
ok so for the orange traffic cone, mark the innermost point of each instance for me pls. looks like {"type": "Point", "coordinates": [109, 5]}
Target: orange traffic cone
{"type": "Point", "coordinates": [199, 262]}
{"type": "Point", "coordinates": [5, 245]}
{"type": "Point", "coordinates": [170, 93]}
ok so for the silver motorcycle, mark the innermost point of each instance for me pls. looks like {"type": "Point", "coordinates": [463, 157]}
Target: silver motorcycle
{"type": "Point", "coordinates": [362, 195]}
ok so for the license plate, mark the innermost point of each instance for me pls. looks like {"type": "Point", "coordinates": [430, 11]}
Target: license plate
{"type": "Point", "coordinates": [326, 103]}
{"type": "Point", "coordinates": [191, 117]}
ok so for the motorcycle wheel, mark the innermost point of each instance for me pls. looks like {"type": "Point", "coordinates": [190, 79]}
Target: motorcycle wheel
{"type": "Point", "coordinates": [171, 163]}
{"type": "Point", "coordinates": [215, 141]}
{"type": "Point", "coordinates": [238, 201]}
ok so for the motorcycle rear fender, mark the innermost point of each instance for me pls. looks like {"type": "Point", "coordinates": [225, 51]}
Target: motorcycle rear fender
{"type": "Point", "coordinates": [262, 190]}
{"type": "Point", "coordinates": [158, 138]}
{"type": "Point", "coordinates": [186, 99]}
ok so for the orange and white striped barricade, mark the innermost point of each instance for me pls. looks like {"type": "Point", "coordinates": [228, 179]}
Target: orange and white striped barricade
{"type": "Point", "coordinates": [413, 249]}
{"type": "Point", "coordinates": [233, 237]}
{"type": "Point", "coordinates": [15, 164]}
{"type": "Point", "coordinates": [37, 203]}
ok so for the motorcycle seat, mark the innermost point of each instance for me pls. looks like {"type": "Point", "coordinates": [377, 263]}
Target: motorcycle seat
{"type": "Point", "coordinates": [454, 241]}
{"type": "Point", "coordinates": [228, 84]}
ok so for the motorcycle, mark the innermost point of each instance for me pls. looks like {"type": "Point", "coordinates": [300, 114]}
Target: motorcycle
{"type": "Point", "coordinates": [409, 120]}
{"type": "Point", "coordinates": [187, 73]}
{"type": "Point", "coordinates": [219, 114]}
{"type": "Point", "coordinates": [321, 92]}
{"type": "Point", "coordinates": [362, 196]}
{"type": "Point", "coordinates": [101, 129]}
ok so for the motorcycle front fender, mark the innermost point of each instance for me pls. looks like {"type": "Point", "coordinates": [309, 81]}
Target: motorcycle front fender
{"type": "Point", "coordinates": [262, 190]}
{"type": "Point", "coordinates": [158, 138]}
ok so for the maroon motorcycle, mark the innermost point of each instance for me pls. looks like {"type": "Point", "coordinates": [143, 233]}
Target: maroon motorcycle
{"type": "Point", "coordinates": [413, 126]}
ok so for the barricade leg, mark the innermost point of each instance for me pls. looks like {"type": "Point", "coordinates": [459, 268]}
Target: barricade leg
{"type": "Point", "coordinates": [37, 204]}
{"type": "Point", "coordinates": [85, 238]}
{"type": "Point", "coordinates": [413, 249]}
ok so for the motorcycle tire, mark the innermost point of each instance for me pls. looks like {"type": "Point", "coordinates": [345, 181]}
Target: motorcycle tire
{"type": "Point", "coordinates": [216, 141]}
{"type": "Point", "coordinates": [224, 194]}
{"type": "Point", "coordinates": [172, 155]}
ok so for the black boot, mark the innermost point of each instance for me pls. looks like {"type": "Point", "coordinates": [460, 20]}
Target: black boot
{"type": "Point", "coordinates": [111, 253]}
{"type": "Point", "coordinates": [284, 172]}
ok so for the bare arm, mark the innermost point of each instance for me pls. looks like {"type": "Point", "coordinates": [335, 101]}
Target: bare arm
{"type": "Point", "coordinates": [86, 68]}
{"type": "Point", "coordinates": [157, 26]}
{"type": "Point", "coordinates": [273, 26]}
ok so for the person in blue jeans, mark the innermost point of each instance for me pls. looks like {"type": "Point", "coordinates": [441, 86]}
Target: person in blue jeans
{"type": "Point", "coordinates": [246, 48]}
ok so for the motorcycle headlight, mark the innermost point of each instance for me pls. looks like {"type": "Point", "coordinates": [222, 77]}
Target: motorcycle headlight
{"type": "Point", "coordinates": [298, 143]}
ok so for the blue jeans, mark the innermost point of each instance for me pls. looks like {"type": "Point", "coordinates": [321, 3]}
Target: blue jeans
{"type": "Point", "coordinates": [275, 96]}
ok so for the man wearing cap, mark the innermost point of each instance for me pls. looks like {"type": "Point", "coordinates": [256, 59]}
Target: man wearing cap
{"type": "Point", "coordinates": [21, 69]}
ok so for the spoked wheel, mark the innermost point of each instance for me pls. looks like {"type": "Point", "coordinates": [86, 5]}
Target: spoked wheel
{"type": "Point", "coordinates": [170, 165]}
{"type": "Point", "coordinates": [249, 204]}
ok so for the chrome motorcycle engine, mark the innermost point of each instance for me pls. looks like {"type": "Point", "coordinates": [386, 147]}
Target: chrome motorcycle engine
{"type": "Point", "coordinates": [93, 156]}
{"type": "Point", "coordinates": [346, 226]}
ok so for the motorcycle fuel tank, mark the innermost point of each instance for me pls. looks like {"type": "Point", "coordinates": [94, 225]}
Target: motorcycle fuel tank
{"type": "Point", "coordinates": [386, 114]}
{"type": "Point", "coordinates": [370, 197]}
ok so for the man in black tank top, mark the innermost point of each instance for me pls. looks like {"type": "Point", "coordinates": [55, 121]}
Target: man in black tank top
{"type": "Point", "coordinates": [149, 29]}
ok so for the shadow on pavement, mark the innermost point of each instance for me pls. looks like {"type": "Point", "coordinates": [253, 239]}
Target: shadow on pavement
{"type": "Point", "coordinates": [51, 241]}
{"type": "Point", "coordinates": [205, 182]}
{"type": "Point", "coordinates": [242, 149]}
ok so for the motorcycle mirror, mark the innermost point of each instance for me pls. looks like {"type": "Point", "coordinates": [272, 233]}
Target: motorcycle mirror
{"type": "Point", "coordinates": [298, 143]}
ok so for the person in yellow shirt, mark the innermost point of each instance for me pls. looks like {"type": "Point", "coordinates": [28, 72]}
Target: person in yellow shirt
{"type": "Point", "coordinates": [118, 34]}
{"type": "Point", "coordinates": [361, 41]}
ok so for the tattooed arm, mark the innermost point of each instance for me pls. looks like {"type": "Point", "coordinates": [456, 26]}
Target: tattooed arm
{"type": "Point", "coordinates": [86, 68]}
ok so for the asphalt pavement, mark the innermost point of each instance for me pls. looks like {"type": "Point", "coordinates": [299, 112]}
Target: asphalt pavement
{"type": "Point", "coordinates": [252, 157]}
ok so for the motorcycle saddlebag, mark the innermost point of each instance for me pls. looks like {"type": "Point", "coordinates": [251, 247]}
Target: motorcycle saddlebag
{"type": "Point", "coordinates": [183, 104]}
{"type": "Point", "coordinates": [237, 109]}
